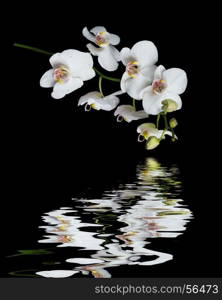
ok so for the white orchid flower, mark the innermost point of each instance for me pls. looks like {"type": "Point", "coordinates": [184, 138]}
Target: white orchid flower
{"type": "Point", "coordinates": [148, 130]}
{"type": "Point", "coordinates": [108, 55]}
{"type": "Point", "coordinates": [164, 92]}
{"type": "Point", "coordinates": [97, 101]}
{"type": "Point", "coordinates": [129, 113]}
{"type": "Point", "coordinates": [139, 62]}
{"type": "Point", "coordinates": [69, 69]}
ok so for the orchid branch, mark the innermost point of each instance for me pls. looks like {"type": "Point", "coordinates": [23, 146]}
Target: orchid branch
{"type": "Point", "coordinates": [65, 77]}
{"type": "Point", "coordinates": [106, 77]}
{"type": "Point", "coordinates": [162, 135]}
{"type": "Point", "coordinates": [158, 120]}
{"type": "Point", "coordinates": [34, 49]}
{"type": "Point", "coordinates": [165, 120]}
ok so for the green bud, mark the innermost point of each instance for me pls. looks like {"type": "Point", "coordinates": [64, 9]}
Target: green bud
{"type": "Point", "coordinates": [152, 142]}
{"type": "Point", "coordinates": [173, 123]}
{"type": "Point", "coordinates": [169, 105]}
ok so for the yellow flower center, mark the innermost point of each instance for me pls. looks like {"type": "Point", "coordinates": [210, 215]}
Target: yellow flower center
{"type": "Point", "coordinates": [158, 86]}
{"type": "Point", "coordinates": [101, 40]}
{"type": "Point", "coordinates": [61, 74]}
{"type": "Point", "coordinates": [64, 239]}
{"type": "Point", "coordinates": [132, 68]}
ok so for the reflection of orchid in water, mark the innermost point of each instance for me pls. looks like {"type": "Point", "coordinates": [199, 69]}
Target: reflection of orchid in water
{"type": "Point", "coordinates": [64, 230]}
{"type": "Point", "coordinates": [149, 208]}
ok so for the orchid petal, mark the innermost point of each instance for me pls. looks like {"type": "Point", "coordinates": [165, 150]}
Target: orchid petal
{"type": "Point", "coordinates": [125, 55]}
{"type": "Point", "coordinates": [94, 50]}
{"type": "Point", "coordinates": [145, 52]}
{"type": "Point", "coordinates": [134, 86]}
{"type": "Point", "coordinates": [158, 72]}
{"type": "Point", "coordinates": [107, 60]}
{"type": "Point", "coordinates": [146, 126]}
{"type": "Point", "coordinates": [98, 102]}
{"type": "Point", "coordinates": [84, 261]}
{"type": "Point", "coordinates": [129, 113]}
{"type": "Point", "coordinates": [148, 72]}
{"type": "Point", "coordinates": [114, 39]}
{"type": "Point", "coordinates": [57, 273]}
{"type": "Point", "coordinates": [176, 80]}
{"type": "Point", "coordinates": [47, 79]}
{"type": "Point", "coordinates": [107, 103]}
{"type": "Point", "coordinates": [61, 89]}
{"type": "Point", "coordinates": [123, 80]}
{"type": "Point", "coordinates": [97, 29]}
{"type": "Point", "coordinates": [92, 95]}
{"type": "Point", "coordinates": [152, 103]}
{"type": "Point", "coordinates": [115, 53]}
{"type": "Point", "coordinates": [79, 63]}
{"type": "Point", "coordinates": [88, 35]}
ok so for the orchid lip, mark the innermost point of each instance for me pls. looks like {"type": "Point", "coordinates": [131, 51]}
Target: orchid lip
{"type": "Point", "coordinates": [101, 40]}
{"type": "Point", "coordinates": [159, 86]}
{"type": "Point", "coordinates": [132, 68]}
{"type": "Point", "coordinates": [141, 138]}
{"type": "Point", "coordinates": [61, 74]}
{"type": "Point", "coordinates": [88, 107]}
{"type": "Point", "coordinates": [120, 118]}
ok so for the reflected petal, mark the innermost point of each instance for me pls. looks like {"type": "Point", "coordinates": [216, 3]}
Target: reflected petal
{"type": "Point", "coordinates": [56, 273]}
{"type": "Point", "coordinates": [84, 261]}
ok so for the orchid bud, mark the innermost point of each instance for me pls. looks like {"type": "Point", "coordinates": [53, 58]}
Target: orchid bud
{"type": "Point", "coordinates": [173, 123]}
{"type": "Point", "coordinates": [152, 143]}
{"type": "Point", "coordinates": [169, 105]}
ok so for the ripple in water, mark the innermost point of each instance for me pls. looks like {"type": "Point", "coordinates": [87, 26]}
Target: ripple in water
{"type": "Point", "coordinates": [118, 229]}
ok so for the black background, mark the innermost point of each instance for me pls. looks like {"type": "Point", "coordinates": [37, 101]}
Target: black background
{"type": "Point", "coordinates": [55, 149]}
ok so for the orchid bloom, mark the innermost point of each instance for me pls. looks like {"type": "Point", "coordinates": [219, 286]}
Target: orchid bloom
{"type": "Point", "coordinates": [139, 62]}
{"type": "Point", "coordinates": [97, 101]}
{"type": "Point", "coordinates": [163, 93]}
{"type": "Point", "coordinates": [69, 69]}
{"type": "Point", "coordinates": [108, 55]}
{"type": "Point", "coordinates": [147, 130]}
{"type": "Point", "coordinates": [129, 113]}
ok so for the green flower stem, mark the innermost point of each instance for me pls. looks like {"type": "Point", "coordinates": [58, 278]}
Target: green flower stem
{"type": "Point", "coordinates": [100, 86]}
{"type": "Point", "coordinates": [165, 121]}
{"type": "Point", "coordinates": [50, 53]}
{"type": "Point", "coordinates": [32, 49]}
{"type": "Point", "coordinates": [157, 121]}
{"type": "Point", "coordinates": [162, 135]}
{"type": "Point", "coordinates": [106, 77]}
{"type": "Point", "coordinates": [173, 133]}
{"type": "Point", "coordinates": [134, 103]}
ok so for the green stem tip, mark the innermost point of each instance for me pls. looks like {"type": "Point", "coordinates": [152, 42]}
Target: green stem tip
{"type": "Point", "coordinates": [32, 49]}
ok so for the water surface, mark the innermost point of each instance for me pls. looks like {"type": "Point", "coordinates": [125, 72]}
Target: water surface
{"type": "Point", "coordinates": [91, 237]}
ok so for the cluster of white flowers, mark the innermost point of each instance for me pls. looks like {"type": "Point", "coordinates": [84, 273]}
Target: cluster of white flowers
{"type": "Point", "coordinates": [157, 88]}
